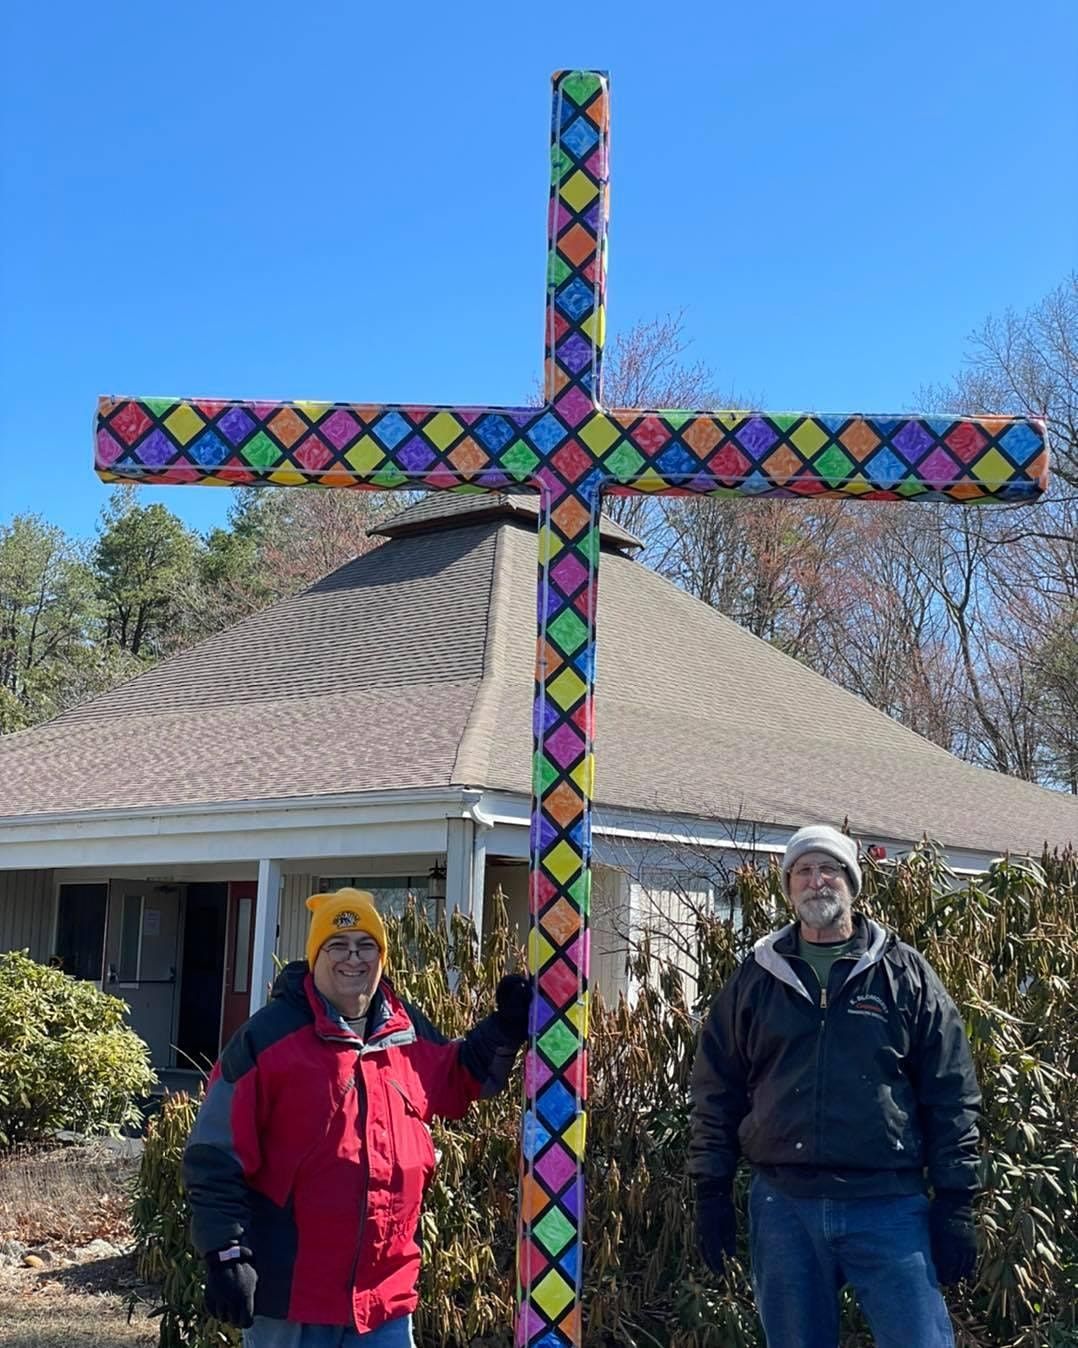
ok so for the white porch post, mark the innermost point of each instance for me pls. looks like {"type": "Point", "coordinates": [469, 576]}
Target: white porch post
{"type": "Point", "coordinates": [267, 912]}
{"type": "Point", "coordinates": [459, 834]}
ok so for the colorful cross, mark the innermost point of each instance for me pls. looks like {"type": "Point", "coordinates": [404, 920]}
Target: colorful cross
{"type": "Point", "coordinates": [570, 450]}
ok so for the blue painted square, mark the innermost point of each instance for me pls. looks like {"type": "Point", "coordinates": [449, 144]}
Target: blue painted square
{"type": "Point", "coordinates": [556, 1106]}
{"type": "Point", "coordinates": [547, 433]}
{"type": "Point", "coordinates": [535, 1136]}
{"type": "Point", "coordinates": [575, 299]}
{"type": "Point", "coordinates": [570, 1262]}
{"type": "Point", "coordinates": [834, 421]}
{"type": "Point", "coordinates": [676, 461]}
{"type": "Point", "coordinates": [1020, 443]}
{"type": "Point", "coordinates": [580, 137]}
{"type": "Point", "coordinates": [493, 433]}
{"type": "Point", "coordinates": [209, 450]}
{"type": "Point", "coordinates": [756, 484]}
{"type": "Point", "coordinates": [392, 429]}
{"type": "Point", "coordinates": [584, 662]}
{"type": "Point", "coordinates": [885, 469]}
{"type": "Point", "coordinates": [554, 1338]}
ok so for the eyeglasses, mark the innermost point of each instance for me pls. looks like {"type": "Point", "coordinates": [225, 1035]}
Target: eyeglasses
{"type": "Point", "coordinates": [340, 950]}
{"type": "Point", "coordinates": [827, 871]}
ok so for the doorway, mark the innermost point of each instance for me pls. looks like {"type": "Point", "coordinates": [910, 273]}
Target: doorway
{"type": "Point", "coordinates": [239, 948]}
{"type": "Point", "coordinates": [200, 976]}
{"type": "Point", "coordinates": [142, 954]}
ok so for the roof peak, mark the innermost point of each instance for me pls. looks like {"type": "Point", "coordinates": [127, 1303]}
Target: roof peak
{"type": "Point", "coordinates": [437, 511]}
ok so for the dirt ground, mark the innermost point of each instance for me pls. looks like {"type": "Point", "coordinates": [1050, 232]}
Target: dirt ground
{"type": "Point", "coordinates": [65, 1210]}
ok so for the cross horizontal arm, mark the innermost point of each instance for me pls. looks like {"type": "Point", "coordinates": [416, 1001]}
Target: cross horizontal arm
{"type": "Point", "coordinates": [580, 448]}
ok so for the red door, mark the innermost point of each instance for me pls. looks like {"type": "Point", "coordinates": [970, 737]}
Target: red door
{"type": "Point", "coordinates": [239, 946]}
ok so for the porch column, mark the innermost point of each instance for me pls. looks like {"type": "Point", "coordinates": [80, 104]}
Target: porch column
{"type": "Point", "coordinates": [460, 888]}
{"type": "Point", "coordinates": [267, 912]}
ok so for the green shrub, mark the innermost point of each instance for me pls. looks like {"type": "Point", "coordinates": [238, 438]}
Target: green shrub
{"type": "Point", "coordinates": [1005, 944]}
{"type": "Point", "coordinates": [67, 1060]}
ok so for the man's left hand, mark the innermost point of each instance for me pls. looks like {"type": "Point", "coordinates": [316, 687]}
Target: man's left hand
{"type": "Point", "coordinates": [954, 1236]}
{"type": "Point", "coordinates": [513, 997]}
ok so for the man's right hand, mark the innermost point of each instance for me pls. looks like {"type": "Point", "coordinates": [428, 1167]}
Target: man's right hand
{"type": "Point", "coordinates": [716, 1223]}
{"type": "Point", "coordinates": [230, 1286]}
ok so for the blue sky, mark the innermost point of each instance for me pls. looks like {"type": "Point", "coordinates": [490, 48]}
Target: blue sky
{"type": "Point", "coordinates": [341, 200]}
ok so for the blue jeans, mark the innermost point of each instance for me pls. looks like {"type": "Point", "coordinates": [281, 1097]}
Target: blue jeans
{"type": "Point", "coordinates": [267, 1333]}
{"type": "Point", "coordinates": [805, 1250]}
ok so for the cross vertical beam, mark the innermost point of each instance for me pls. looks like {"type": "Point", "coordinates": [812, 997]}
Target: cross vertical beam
{"type": "Point", "coordinates": [570, 450]}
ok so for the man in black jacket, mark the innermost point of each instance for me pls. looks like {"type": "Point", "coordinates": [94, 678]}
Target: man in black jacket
{"type": "Point", "coordinates": [836, 1063]}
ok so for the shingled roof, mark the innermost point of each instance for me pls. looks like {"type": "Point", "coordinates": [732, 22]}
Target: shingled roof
{"type": "Point", "coordinates": [412, 667]}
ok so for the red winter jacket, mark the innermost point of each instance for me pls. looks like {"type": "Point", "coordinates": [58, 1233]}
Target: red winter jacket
{"type": "Point", "coordinates": [313, 1148]}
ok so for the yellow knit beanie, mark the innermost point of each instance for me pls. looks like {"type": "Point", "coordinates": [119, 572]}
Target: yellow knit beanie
{"type": "Point", "coordinates": [343, 911]}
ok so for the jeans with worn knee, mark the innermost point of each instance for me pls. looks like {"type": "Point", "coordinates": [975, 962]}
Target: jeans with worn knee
{"type": "Point", "coordinates": [269, 1333]}
{"type": "Point", "coordinates": [805, 1250]}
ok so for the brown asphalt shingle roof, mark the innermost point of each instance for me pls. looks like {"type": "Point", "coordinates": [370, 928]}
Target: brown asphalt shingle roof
{"type": "Point", "coordinates": [412, 666]}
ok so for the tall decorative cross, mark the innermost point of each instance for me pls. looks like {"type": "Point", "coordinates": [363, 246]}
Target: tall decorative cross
{"type": "Point", "coordinates": [570, 450]}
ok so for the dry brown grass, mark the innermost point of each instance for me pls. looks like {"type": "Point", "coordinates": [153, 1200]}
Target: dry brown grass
{"type": "Point", "coordinates": [65, 1196]}
{"type": "Point", "coordinates": [39, 1310]}
{"type": "Point", "coordinates": [62, 1198]}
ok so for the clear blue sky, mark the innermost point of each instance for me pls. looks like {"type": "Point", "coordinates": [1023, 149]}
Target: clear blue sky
{"type": "Point", "coordinates": [345, 200]}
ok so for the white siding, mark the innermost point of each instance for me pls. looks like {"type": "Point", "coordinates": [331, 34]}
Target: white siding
{"type": "Point", "coordinates": [27, 910]}
{"type": "Point", "coordinates": [292, 933]}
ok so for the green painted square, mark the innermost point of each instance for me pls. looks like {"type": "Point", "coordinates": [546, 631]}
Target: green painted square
{"type": "Point", "coordinates": [581, 86]}
{"type": "Point", "coordinates": [833, 465]}
{"type": "Point", "coordinates": [580, 892]}
{"type": "Point", "coordinates": [544, 774]}
{"type": "Point", "coordinates": [390, 476]}
{"type": "Point", "coordinates": [676, 417]}
{"type": "Point", "coordinates": [554, 1231]}
{"type": "Point", "coordinates": [912, 486]}
{"type": "Point", "coordinates": [588, 547]}
{"type": "Point", "coordinates": [468, 489]}
{"type": "Point", "coordinates": [559, 1043]}
{"type": "Point", "coordinates": [784, 421]}
{"type": "Point", "coordinates": [261, 452]}
{"type": "Point", "coordinates": [519, 460]}
{"type": "Point", "coordinates": [158, 406]}
{"type": "Point", "coordinates": [557, 270]}
{"type": "Point", "coordinates": [625, 461]}
{"type": "Point", "coordinates": [560, 163]}
{"type": "Point", "coordinates": [567, 631]}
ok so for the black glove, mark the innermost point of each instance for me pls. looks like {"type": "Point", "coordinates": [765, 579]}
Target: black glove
{"type": "Point", "coordinates": [513, 997]}
{"type": "Point", "coordinates": [716, 1223]}
{"type": "Point", "coordinates": [954, 1235]}
{"type": "Point", "coordinates": [230, 1286]}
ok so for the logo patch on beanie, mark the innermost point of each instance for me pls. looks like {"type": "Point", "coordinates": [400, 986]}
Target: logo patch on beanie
{"type": "Point", "coordinates": [346, 919]}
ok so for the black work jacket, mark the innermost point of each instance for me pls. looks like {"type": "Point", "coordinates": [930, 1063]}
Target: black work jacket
{"type": "Point", "coordinates": [856, 1089]}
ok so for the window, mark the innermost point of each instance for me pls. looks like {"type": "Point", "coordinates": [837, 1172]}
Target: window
{"type": "Point", "coordinates": [390, 891]}
{"type": "Point", "coordinates": [80, 930]}
{"type": "Point", "coordinates": [130, 939]}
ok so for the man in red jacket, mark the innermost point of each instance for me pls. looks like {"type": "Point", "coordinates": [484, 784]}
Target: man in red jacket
{"type": "Point", "coordinates": [307, 1164]}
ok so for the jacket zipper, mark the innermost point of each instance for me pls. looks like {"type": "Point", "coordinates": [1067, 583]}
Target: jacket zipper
{"type": "Point", "coordinates": [361, 1089]}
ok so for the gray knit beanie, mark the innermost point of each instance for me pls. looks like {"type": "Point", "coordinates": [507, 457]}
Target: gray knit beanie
{"type": "Point", "coordinates": [822, 838]}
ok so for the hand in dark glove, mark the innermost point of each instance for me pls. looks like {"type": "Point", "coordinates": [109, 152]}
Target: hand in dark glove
{"type": "Point", "coordinates": [716, 1223]}
{"type": "Point", "coordinates": [954, 1235]}
{"type": "Point", "coordinates": [513, 997]}
{"type": "Point", "coordinates": [230, 1286]}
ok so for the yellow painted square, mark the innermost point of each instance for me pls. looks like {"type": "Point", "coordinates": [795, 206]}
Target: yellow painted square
{"type": "Point", "coordinates": [364, 455]}
{"type": "Point", "coordinates": [575, 1134]}
{"type": "Point", "coordinates": [809, 437]}
{"type": "Point", "coordinates": [287, 477]}
{"type": "Point", "coordinates": [442, 430]}
{"type": "Point", "coordinates": [549, 545]}
{"type": "Point", "coordinates": [552, 1294]}
{"type": "Point", "coordinates": [539, 950]}
{"type": "Point", "coordinates": [993, 469]}
{"type": "Point", "coordinates": [579, 191]}
{"type": "Point", "coordinates": [184, 423]}
{"type": "Point", "coordinates": [313, 411]}
{"type": "Point", "coordinates": [599, 433]}
{"type": "Point", "coordinates": [567, 688]}
{"type": "Point", "coordinates": [563, 862]}
{"type": "Point", "coordinates": [578, 1014]}
{"type": "Point", "coordinates": [584, 775]}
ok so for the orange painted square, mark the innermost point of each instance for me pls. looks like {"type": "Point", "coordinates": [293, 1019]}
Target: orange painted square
{"type": "Point", "coordinates": [468, 456]}
{"type": "Point", "coordinates": [563, 804]}
{"type": "Point", "coordinates": [288, 426]}
{"type": "Point", "coordinates": [860, 439]}
{"type": "Point", "coordinates": [782, 465]}
{"type": "Point", "coordinates": [532, 1199]}
{"type": "Point", "coordinates": [577, 244]}
{"type": "Point", "coordinates": [571, 516]}
{"type": "Point", "coordinates": [554, 661]}
{"type": "Point", "coordinates": [562, 921]}
{"type": "Point", "coordinates": [702, 435]}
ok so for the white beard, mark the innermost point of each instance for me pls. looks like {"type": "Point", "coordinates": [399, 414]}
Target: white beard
{"type": "Point", "coordinates": [823, 910]}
